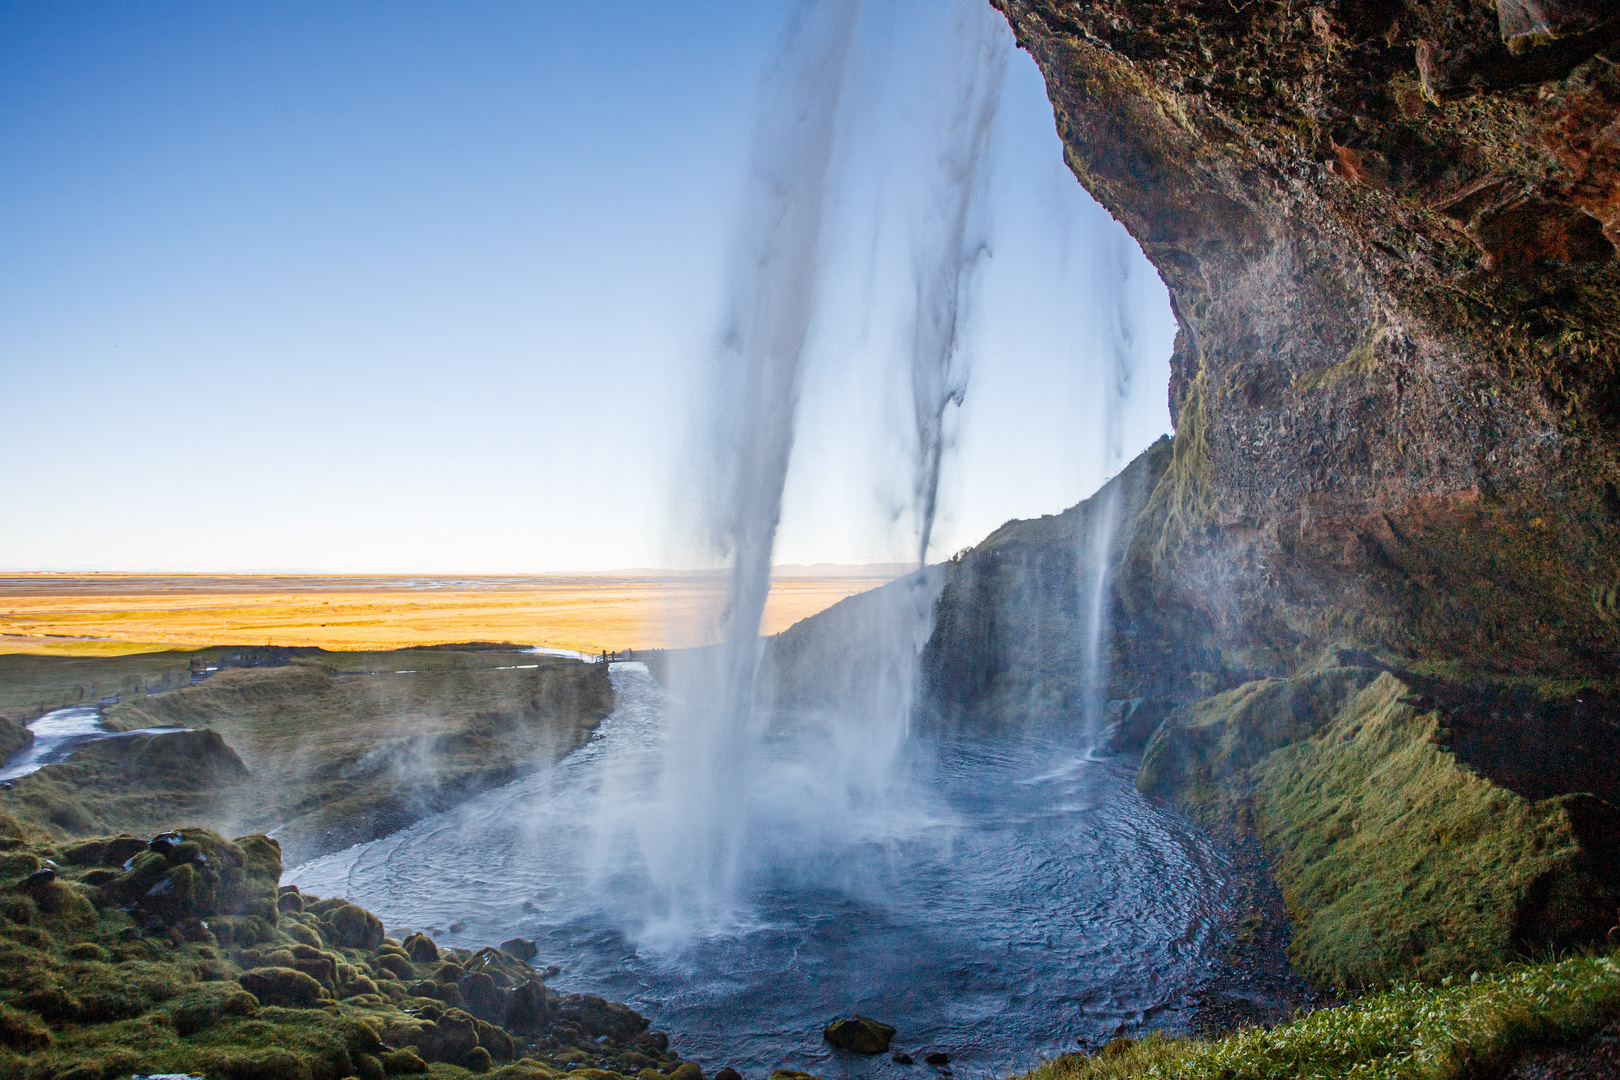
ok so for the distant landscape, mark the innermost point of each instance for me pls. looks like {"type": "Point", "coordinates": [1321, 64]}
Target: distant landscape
{"type": "Point", "coordinates": [110, 614]}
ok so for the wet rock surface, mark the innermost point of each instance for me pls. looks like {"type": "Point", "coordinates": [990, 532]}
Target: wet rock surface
{"type": "Point", "coordinates": [1389, 236]}
{"type": "Point", "coordinates": [859, 1035]}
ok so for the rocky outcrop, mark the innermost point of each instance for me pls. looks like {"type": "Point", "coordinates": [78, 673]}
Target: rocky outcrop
{"type": "Point", "coordinates": [859, 1035]}
{"type": "Point", "coordinates": [1388, 228]}
{"type": "Point", "coordinates": [179, 953]}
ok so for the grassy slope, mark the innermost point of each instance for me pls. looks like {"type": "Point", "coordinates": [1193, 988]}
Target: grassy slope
{"type": "Point", "coordinates": [333, 753]}
{"type": "Point", "coordinates": [1410, 1032]}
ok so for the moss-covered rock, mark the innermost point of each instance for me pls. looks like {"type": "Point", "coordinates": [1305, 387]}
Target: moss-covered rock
{"type": "Point", "coordinates": [282, 986]}
{"type": "Point", "coordinates": [109, 990]}
{"type": "Point", "coordinates": [859, 1034]}
{"type": "Point", "coordinates": [1395, 860]}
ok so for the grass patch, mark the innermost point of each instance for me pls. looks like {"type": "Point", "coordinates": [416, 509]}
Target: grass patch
{"type": "Point", "coordinates": [1410, 1032]}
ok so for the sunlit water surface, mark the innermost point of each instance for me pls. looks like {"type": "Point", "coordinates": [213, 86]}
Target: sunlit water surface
{"type": "Point", "coordinates": [1009, 900]}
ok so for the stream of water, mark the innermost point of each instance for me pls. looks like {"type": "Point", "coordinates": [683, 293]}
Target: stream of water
{"type": "Point", "coordinates": [61, 731]}
{"type": "Point", "coordinates": [1006, 901]}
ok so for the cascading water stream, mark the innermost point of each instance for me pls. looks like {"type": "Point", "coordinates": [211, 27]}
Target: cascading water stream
{"type": "Point", "coordinates": [945, 254]}
{"type": "Point", "coordinates": [1116, 339]}
{"type": "Point", "coordinates": [698, 841]}
{"type": "Point", "coordinates": [695, 840]}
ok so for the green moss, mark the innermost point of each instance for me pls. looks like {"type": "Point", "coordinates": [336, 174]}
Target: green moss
{"type": "Point", "coordinates": [1408, 1033]}
{"type": "Point", "coordinates": [1185, 495]}
{"type": "Point", "coordinates": [1201, 753]}
{"type": "Point", "coordinates": [210, 978]}
{"type": "Point", "coordinates": [1395, 861]}
{"type": "Point", "coordinates": [1363, 360]}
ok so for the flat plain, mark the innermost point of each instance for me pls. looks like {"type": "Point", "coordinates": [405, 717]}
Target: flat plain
{"type": "Point", "coordinates": [110, 614]}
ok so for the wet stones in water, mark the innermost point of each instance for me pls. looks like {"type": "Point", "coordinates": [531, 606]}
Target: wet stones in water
{"type": "Point", "coordinates": [859, 1034]}
{"type": "Point", "coordinates": [521, 948]}
{"type": "Point", "coordinates": [903, 1058]}
{"type": "Point", "coordinates": [728, 1073]}
{"type": "Point", "coordinates": [938, 1058]}
{"type": "Point", "coordinates": [793, 1074]}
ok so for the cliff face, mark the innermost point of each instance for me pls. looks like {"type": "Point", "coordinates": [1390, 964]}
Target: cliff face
{"type": "Point", "coordinates": [1389, 231]}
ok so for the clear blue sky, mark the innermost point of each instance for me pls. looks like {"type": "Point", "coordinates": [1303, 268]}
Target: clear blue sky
{"type": "Point", "coordinates": [411, 286]}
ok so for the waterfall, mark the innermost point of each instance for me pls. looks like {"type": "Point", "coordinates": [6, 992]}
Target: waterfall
{"type": "Point", "coordinates": [1115, 336]}
{"type": "Point", "coordinates": [722, 805]}
{"type": "Point", "coordinates": [944, 256]}
{"type": "Point", "coordinates": [697, 838]}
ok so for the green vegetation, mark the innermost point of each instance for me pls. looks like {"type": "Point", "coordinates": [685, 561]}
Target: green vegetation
{"type": "Point", "coordinates": [32, 684]}
{"type": "Point", "coordinates": [329, 750]}
{"type": "Point", "coordinates": [1410, 1032]}
{"type": "Point", "coordinates": [1395, 861]}
{"type": "Point", "coordinates": [1184, 494]}
{"type": "Point", "coordinates": [178, 954]}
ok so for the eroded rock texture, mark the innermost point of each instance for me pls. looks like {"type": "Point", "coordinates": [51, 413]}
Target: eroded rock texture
{"type": "Point", "coordinates": [1389, 229]}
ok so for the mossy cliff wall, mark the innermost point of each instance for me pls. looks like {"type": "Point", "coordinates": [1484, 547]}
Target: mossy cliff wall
{"type": "Point", "coordinates": [1389, 236]}
{"type": "Point", "coordinates": [1398, 852]}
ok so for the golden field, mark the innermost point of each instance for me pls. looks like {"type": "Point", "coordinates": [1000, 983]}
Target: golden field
{"type": "Point", "coordinates": [83, 614]}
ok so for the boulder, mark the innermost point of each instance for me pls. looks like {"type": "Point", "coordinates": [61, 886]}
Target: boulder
{"type": "Point", "coordinates": [352, 927]}
{"type": "Point", "coordinates": [197, 874]}
{"type": "Point", "coordinates": [521, 948]}
{"type": "Point", "coordinates": [21, 1032]}
{"type": "Point", "coordinates": [282, 986]}
{"type": "Point", "coordinates": [403, 1062]}
{"type": "Point", "coordinates": [421, 949]}
{"type": "Point", "coordinates": [859, 1034]}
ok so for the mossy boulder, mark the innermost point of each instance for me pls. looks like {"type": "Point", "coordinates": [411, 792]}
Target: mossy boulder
{"type": "Point", "coordinates": [282, 986]}
{"type": "Point", "coordinates": [421, 949]}
{"type": "Point", "coordinates": [859, 1034]}
{"type": "Point", "coordinates": [122, 992]}
{"type": "Point", "coordinates": [352, 927]}
{"type": "Point", "coordinates": [194, 874]}
{"type": "Point", "coordinates": [209, 1004]}
{"type": "Point", "coordinates": [403, 1063]}
{"type": "Point", "coordinates": [22, 1031]}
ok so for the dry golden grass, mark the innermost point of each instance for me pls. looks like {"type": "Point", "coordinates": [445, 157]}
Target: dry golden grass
{"type": "Point", "coordinates": [111, 614]}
